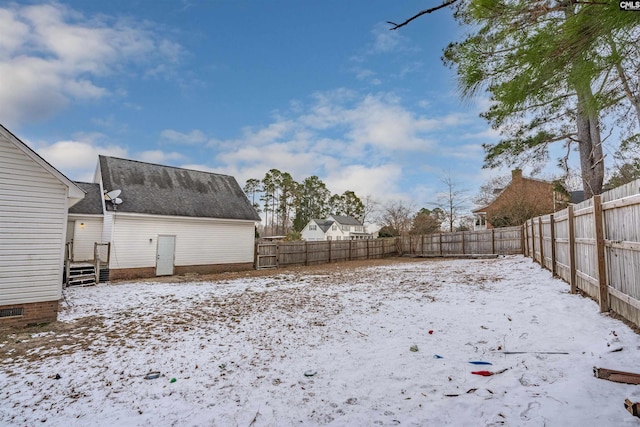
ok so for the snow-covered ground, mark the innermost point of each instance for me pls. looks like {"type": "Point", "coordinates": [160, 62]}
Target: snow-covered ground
{"type": "Point", "coordinates": [326, 347]}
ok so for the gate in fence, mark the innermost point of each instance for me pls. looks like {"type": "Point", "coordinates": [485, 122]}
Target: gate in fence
{"type": "Point", "coordinates": [266, 255]}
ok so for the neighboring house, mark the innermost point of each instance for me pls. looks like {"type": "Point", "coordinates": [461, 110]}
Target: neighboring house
{"type": "Point", "coordinates": [170, 221]}
{"type": "Point", "coordinates": [335, 227]}
{"type": "Point", "coordinates": [522, 199]}
{"type": "Point", "coordinates": [34, 199]}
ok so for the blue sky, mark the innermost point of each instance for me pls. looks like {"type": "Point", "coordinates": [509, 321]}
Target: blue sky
{"type": "Point", "coordinates": [240, 87]}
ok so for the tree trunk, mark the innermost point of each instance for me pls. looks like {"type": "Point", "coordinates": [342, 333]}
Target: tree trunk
{"type": "Point", "coordinates": [588, 124]}
{"type": "Point", "coordinates": [589, 146]}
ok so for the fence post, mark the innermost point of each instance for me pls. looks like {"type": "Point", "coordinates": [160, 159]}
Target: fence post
{"type": "Point", "coordinates": [602, 268]}
{"type": "Point", "coordinates": [522, 239]}
{"type": "Point", "coordinates": [493, 241]}
{"type": "Point", "coordinates": [533, 241]}
{"type": "Point", "coordinates": [368, 248]}
{"type": "Point", "coordinates": [96, 263]}
{"type": "Point", "coordinates": [553, 245]}
{"type": "Point", "coordinates": [463, 243]}
{"type": "Point", "coordinates": [330, 251]}
{"type": "Point", "coordinates": [440, 242]}
{"type": "Point", "coordinates": [255, 255]}
{"type": "Point", "coordinates": [572, 251]}
{"type": "Point", "coordinates": [306, 253]}
{"type": "Point", "coordinates": [541, 242]}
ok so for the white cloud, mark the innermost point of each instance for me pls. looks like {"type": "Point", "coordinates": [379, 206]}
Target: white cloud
{"type": "Point", "coordinates": [77, 159]}
{"type": "Point", "coordinates": [351, 142]}
{"type": "Point", "coordinates": [488, 133]}
{"type": "Point", "coordinates": [51, 56]}
{"type": "Point", "coordinates": [159, 157]}
{"type": "Point", "coordinates": [194, 137]}
{"type": "Point", "coordinates": [380, 180]}
{"type": "Point", "coordinates": [466, 151]}
{"type": "Point", "coordinates": [385, 41]}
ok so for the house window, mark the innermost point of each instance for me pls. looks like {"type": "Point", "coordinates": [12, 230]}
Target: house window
{"type": "Point", "coordinates": [313, 227]}
{"type": "Point", "coordinates": [345, 228]}
{"type": "Point", "coordinates": [328, 237]}
{"type": "Point", "coordinates": [359, 229]}
{"type": "Point", "coordinates": [338, 237]}
{"type": "Point", "coordinates": [334, 227]}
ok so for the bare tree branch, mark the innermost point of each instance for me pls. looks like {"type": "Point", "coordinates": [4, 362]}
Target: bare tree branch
{"type": "Point", "coordinates": [419, 14]}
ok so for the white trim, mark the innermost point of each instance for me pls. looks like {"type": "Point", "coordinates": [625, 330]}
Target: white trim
{"type": "Point", "coordinates": [181, 218]}
{"type": "Point", "coordinates": [73, 192]}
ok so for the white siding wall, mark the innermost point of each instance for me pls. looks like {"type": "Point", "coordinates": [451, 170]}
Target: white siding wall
{"type": "Point", "coordinates": [337, 234]}
{"type": "Point", "coordinates": [107, 227]}
{"type": "Point", "coordinates": [312, 235]}
{"type": "Point", "coordinates": [198, 241]}
{"type": "Point", "coordinates": [33, 219]}
{"type": "Point", "coordinates": [85, 237]}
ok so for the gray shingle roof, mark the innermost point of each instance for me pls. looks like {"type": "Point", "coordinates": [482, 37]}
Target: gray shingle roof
{"type": "Point", "coordinates": [346, 220]}
{"type": "Point", "coordinates": [165, 190]}
{"type": "Point", "coordinates": [576, 196]}
{"type": "Point", "coordinates": [92, 202]}
{"type": "Point", "coordinates": [324, 224]}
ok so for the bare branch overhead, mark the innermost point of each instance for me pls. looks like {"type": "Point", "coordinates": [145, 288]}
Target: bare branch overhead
{"type": "Point", "coordinates": [419, 14]}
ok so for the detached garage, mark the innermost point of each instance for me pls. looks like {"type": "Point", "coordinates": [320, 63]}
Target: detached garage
{"type": "Point", "coordinates": [163, 220]}
{"type": "Point", "coordinates": [34, 201]}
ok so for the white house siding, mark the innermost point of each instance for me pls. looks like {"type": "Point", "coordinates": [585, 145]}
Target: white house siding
{"type": "Point", "coordinates": [107, 227]}
{"type": "Point", "coordinates": [33, 219]}
{"type": "Point", "coordinates": [198, 241]}
{"type": "Point", "coordinates": [312, 235]}
{"type": "Point", "coordinates": [85, 237]}
{"type": "Point", "coordinates": [336, 234]}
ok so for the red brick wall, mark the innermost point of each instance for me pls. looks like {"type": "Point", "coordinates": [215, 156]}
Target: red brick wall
{"type": "Point", "coordinates": [33, 313]}
{"type": "Point", "coordinates": [146, 272]}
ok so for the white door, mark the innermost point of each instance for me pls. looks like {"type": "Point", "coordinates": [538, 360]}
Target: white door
{"type": "Point", "coordinates": [166, 255]}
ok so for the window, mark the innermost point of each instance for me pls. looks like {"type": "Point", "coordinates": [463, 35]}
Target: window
{"type": "Point", "coordinates": [328, 237]}
{"type": "Point", "coordinates": [313, 227]}
{"type": "Point", "coordinates": [345, 228]}
{"type": "Point", "coordinates": [338, 237]}
{"type": "Point", "coordinates": [334, 227]}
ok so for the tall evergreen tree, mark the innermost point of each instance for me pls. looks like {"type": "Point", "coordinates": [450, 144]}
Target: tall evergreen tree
{"type": "Point", "coordinates": [554, 69]}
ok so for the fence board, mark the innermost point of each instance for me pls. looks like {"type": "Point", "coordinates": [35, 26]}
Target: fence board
{"type": "Point", "coordinates": [606, 268]}
{"type": "Point", "coordinates": [506, 241]}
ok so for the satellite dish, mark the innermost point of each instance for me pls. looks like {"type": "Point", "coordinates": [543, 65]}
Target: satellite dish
{"type": "Point", "coordinates": [112, 195]}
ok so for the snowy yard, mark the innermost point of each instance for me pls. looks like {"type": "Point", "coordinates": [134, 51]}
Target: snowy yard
{"type": "Point", "coordinates": [333, 346]}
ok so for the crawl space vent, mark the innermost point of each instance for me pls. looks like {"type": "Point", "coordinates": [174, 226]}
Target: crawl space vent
{"type": "Point", "coordinates": [11, 312]}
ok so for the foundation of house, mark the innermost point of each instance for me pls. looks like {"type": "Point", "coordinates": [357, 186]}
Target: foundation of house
{"type": "Point", "coordinates": [28, 314]}
{"type": "Point", "coordinates": [147, 272]}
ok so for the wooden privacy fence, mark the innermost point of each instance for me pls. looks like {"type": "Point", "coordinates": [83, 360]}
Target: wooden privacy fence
{"type": "Point", "coordinates": [281, 254]}
{"type": "Point", "coordinates": [503, 241]}
{"type": "Point", "coordinates": [498, 241]}
{"type": "Point", "coordinates": [595, 247]}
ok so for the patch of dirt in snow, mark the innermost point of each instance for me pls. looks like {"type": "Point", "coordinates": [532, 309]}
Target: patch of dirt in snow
{"type": "Point", "coordinates": [297, 346]}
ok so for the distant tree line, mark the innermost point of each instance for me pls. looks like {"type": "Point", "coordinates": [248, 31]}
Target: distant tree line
{"type": "Point", "coordinates": [287, 206]}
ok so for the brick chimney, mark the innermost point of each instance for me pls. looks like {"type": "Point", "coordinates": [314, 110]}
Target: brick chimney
{"type": "Point", "coordinates": [516, 174]}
